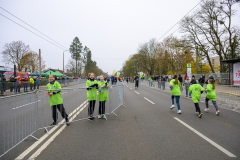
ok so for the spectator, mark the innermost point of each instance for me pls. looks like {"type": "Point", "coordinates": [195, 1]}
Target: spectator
{"type": "Point", "coordinates": [31, 83]}
{"type": "Point", "coordinates": [12, 83]}
{"type": "Point", "coordinates": [19, 83]}
{"type": "Point", "coordinates": [34, 82]}
{"type": "Point", "coordinates": [159, 82]}
{"type": "Point", "coordinates": [4, 83]}
{"type": "Point", "coordinates": [201, 81]}
{"type": "Point", "coordinates": [25, 84]}
{"type": "Point", "coordinates": [38, 83]}
{"type": "Point", "coordinates": [181, 81]}
{"type": "Point", "coordinates": [185, 77]}
{"type": "Point", "coordinates": [187, 85]}
{"type": "Point", "coordinates": [163, 82]}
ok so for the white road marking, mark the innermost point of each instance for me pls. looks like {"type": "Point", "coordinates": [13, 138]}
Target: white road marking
{"type": "Point", "coordinates": [26, 104]}
{"type": "Point", "coordinates": [130, 88]}
{"type": "Point", "coordinates": [27, 151]}
{"type": "Point", "coordinates": [137, 92]}
{"type": "Point", "coordinates": [207, 139]}
{"type": "Point", "coordinates": [149, 100]}
{"type": "Point", "coordinates": [44, 146]}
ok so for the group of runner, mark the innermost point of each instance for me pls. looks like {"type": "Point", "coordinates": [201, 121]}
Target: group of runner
{"type": "Point", "coordinates": [196, 90]}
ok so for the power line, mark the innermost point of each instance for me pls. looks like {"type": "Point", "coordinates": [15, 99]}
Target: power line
{"type": "Point", "coordinates": [179, 21]}
{"type": "Point", "coordinates": [31, 26]}
{"type": "Point", "coordinates": [31, 31]}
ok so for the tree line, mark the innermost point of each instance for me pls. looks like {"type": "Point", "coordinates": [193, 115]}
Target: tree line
{"type": "Point", "coordinates": [20, 54]}
{"type": "Point", "coordinates": [81, 62]}
{"type": "Point", "coordinates": [207, 32]}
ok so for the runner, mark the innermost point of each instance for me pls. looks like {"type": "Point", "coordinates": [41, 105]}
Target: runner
{"type": "Point", "coordinates": [56, 100]}
{"type": "Point", "coordinates": [136, 81]}
{"type": "Point", "coordinates": [196, 90]}
{"type": "Point", "coordinates": [176, 93]}
{"type": "Point", "coordinates": [102, 97]}
{"type": "Point", "coordinates": [92, 86]}
{"type": "Point", "coordinates": [211, 95]}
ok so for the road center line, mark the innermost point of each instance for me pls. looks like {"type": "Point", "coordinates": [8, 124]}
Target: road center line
{"type": "Point", "coordinates": [44, 146]}
{"type": "Point", "coordinates": [137, 92]}
{"type": "Point", "coordinates": [26, 104]}
{"type": "Point", "coordinates": [207, 139]}
{"type": "Point", "coordinates": [130, 88]}
{"type": "Point", "coordinates": [149, 100]}
{"type": "Point", "coordinates": [27, 151]}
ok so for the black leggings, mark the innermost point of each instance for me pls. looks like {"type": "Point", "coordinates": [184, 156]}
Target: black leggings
{"type": "Point", "coordinates": [61, 109]}
{"type": "Point", "coordinates": [136, 84]}
{"type": "Point", "coordinates": [101, 109]}
{"type": "Point", "coordinates": [197, 108]}
{"type": "Point", "coordinates": [91, 107]}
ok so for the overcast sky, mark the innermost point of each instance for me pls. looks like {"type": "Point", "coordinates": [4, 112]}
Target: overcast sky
{"type": "Point", "coordinates": [112, 29]}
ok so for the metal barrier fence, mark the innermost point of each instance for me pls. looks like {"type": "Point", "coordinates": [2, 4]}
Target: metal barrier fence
{"type": "Point", "coordinates": [25, 115]}
{"type": "Point", "coordinates": [227, 95]}
{"type": "Point", "coordinates": [18, 87]}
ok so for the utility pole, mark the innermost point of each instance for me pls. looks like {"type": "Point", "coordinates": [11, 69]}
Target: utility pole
{"type": "Point", "coordinates": [40, 69]}
{"type": "Point", "coordinates": [196, 60]}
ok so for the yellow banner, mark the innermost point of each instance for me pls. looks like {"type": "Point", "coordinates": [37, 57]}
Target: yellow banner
{"type": "Point", "coordinates": [113, 73]}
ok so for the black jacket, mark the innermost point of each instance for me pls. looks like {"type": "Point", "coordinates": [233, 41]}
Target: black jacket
{"type": "Point", "coordinates": [211, 77]}
{"type": "Point", "coordinates": [180, 79]}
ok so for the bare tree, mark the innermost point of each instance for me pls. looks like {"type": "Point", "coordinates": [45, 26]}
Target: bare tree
{"type": "Point", "coordinates": [14, 52]}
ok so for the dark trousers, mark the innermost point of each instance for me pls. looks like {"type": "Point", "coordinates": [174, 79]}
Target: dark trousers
{"type": "Point", "coordinates": [136, 84]}
{"type": "Point", "coordinates": [61, 109]}
{"type": "Point", "coordinates": [31, 86]}
{"type": "Point", "coordinates": [202, 84]}
{"type": "Point", "coordinates": [91, 107]}
{"type": "Point", "coordinates": [34, 86]}
{"type": "Point", "coordinates": [159, 85]}
{"type": "Point", "coordinates": [101, 109]}
{"type": "Point", "coordinates": [38, 86]}
{"type": "Point", "coordinates": [214, 103]}
{"type": "Point", "coordinates": [18, 88]}
{"type": "Point", "coordinates": [25, 85]}
{"type": "Point", "coordinates": [197, 108]}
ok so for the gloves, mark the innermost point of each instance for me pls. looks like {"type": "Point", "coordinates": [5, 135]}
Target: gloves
{"type": "Point", "coordinates": [171, 86]}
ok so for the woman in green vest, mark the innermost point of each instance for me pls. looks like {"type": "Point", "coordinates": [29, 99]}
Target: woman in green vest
{"type": "Point", "coordinates": [92, 86]}
{"type": "Point", "coordinates": [176, 93]}
{"type": "Point", "coordinates": [196, 90]}
{"type": "Point", "coordinates": [102, 97]}
{"type": "Point", "coordinates": [55, 99]}
{"type": "Point", "coordinates": [211, 95]}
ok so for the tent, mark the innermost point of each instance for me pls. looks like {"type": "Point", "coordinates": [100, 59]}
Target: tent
{"type": "Point", "coordinates": [36, 73]}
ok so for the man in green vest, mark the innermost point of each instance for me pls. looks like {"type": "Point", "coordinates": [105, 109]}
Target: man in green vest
{"type": "Point", "coordinates": [56, 100]}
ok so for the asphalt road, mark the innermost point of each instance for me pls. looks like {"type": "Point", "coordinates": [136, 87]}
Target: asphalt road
{"type": "Point", "coordinates": [145, 129]}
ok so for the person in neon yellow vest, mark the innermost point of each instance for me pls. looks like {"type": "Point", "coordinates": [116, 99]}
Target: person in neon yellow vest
{"type": "Point", "coordinates": [150, 81]}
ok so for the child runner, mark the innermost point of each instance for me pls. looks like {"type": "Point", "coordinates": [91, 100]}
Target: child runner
{"type": "Point", "coordinates": [175, 91]}
{"type": "Point", "coordinates": [211, 95]}
{"type": "Point", "coordinates": [102, 97]}
{"type": "Point", "coordinates": [196, 90]}
{"type": "Point", "coordinates": [92, 86]}
{"type": "Point", "coordinates": [55, 99]}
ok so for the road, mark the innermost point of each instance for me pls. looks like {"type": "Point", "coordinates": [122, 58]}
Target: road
{"type": "Point", "coordinates": [145, 129]}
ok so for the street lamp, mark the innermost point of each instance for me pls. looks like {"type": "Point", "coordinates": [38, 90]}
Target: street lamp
{"type": "Point", "coordinates": [63, 61]}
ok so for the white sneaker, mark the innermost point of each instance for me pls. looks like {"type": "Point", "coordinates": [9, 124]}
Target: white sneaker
{"type": "Point", "coordinates": [104, 117]}
{"type": "Point", "coordinates": [206, 110]}
{"type": "Point", "coordinates": [99, 116]}
{"type": "Point", "coordinates": [179, 111]}
{"type": "Point", "coordinates": [172, 107]}
{"type": "Point", "coordinates": [217, 112]}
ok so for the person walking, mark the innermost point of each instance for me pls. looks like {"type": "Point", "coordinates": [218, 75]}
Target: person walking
{"type": "Point", "coordinates": [196, 90]}
{"type": "Point", "coordinates": [25, 84]}
{"type": "Point", "coordinates": [56, 100]}
{"type": "Point", "coordinates": [175, 92]}
{"type": "Point", "coordinates": [136, 81]}
{"type": "Point", "coordinates": [102, 97]}
{"type": "Point", "coordinates": [211, 95]}
{"type": "Point", "coordinates": [187, 85]}
{"type": "Point", "coordinates": [92, 86]}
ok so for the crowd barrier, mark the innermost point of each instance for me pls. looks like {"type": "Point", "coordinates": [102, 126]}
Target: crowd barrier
{"type": "Point", "coordinates": [19, 87]}
{"type": "Point", "coordinates": [31, 112]}
{"type": "Point", "coordinates": [227, 95]}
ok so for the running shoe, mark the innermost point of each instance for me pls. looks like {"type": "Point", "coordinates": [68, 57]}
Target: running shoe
{"type": "Point", "coordinates": [104, 117]}
{"type": "Point", "coordinates": [200, 115]}
{"type": "Point", "coordinates": [54, 123]}
{"type": "Point", "coordinates": [179, 111]}
{"type": "Point", "coordinates": [99, 116]}
{"type": "Point", "coordinates": [217, 112]}
{"type": "Point", "coordinates": [90, 119]}
{"type": "Point", "coordinates": [172, 107]}
{"type": "Point", "coordinates": [206, 110]}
